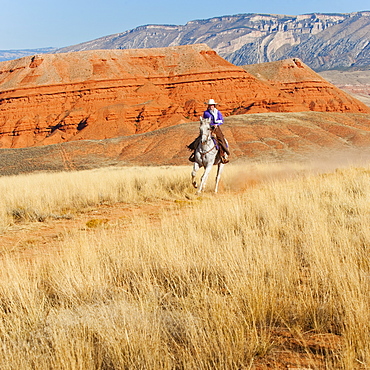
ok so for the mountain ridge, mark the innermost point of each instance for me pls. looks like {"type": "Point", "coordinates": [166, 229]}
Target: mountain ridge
{"type": "Point", "coordinates": [321, 40]}
{"type": "Point", "coordinates": [20, 53]}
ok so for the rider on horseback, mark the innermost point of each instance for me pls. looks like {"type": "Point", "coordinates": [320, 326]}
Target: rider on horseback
{"type": "Point", "coordinates": [216, 119]}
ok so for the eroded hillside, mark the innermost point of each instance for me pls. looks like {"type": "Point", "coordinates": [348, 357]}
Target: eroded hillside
{"type": "Point", "coordinates": [252, 137]}
{"type": "Point", "coordinates": [56, 98]}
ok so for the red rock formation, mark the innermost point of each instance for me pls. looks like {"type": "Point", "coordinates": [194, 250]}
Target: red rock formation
{"type": "Point", "coordinates": [269, 136]}
{"type": "Point", "coordinates": [305, 86]}
{"type": "Point", "coordinates": [50, 98]}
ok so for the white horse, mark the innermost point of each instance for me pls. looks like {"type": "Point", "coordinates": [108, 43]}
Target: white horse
{"type": "Point", "coordinates": [206, 155]}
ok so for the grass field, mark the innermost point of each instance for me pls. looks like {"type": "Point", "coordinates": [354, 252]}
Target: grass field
{"type": "Point", "coordinates": [272, 272]}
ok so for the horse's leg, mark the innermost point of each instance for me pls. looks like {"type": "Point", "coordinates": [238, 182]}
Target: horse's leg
{"type": "Point", "coordinates": [204, 178]}
{"type": "Point", "coordinates": [220, 167]}
{"type": "Point", "coordinates": [194, 173]}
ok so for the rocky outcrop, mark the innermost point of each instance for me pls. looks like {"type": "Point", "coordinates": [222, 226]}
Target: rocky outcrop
{"type": "Point", "coordinates": [48, 99]}
{"type": "Point", "coordinates": [322, 41]}
{"type": "Point", "coordinates": [305, 86]}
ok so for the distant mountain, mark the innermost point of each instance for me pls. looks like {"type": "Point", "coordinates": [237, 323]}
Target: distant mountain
{"type": "Point", "coordinates": [322, 41]}
{"type": "Point", "coordinates": [15, 54]}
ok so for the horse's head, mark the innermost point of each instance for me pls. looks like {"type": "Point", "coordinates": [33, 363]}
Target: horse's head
{"type": "Point", "coordinates": [205, 129]}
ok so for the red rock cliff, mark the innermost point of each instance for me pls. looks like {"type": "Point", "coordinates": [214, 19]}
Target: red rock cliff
{"type": "Point", "coordinates": [305, 86]}
{"type": "Point", "coordinates": [101, 94]}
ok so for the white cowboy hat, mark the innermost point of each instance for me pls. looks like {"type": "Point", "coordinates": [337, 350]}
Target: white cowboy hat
{"type": "Point", "coordinates": [211, 102]}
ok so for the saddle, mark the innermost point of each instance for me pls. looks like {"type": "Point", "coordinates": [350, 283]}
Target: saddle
{"type": "Point", "coordinates": [195, 144]}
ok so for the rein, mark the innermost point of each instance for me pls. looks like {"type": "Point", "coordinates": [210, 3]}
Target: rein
{"type": "Point", "coordinates": [203, 154]}
{"type": "Point", "coordinates": [208, 151]}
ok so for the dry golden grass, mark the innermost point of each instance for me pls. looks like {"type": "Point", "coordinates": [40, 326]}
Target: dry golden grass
{"type": "Point", "coordinates": [36, 197]}
{"type": "Point", "coordinates": [282, 249]}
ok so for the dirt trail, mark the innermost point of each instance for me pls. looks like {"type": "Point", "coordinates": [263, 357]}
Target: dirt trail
{"type": "Point", "coordinates": [35, 238]}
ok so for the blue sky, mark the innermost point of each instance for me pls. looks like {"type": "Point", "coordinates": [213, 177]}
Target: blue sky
{"type": "Point", "coordinates": [30, 24]}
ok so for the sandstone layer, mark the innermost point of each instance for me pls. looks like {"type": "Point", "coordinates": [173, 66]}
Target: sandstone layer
{"type": "Point", "coordinates": [252, 137]}
{"type": "Point", "coordinates": [305, 86]}
{"type": "Point", "coordinates": [54, 98]}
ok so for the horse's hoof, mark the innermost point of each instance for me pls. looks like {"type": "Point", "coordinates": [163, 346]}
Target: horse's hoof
{"type": "Point", "coordinates": [195, 185]}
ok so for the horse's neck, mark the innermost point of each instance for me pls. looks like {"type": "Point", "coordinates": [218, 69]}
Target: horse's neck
{"type": "Point", "coordinates": [209, 144]}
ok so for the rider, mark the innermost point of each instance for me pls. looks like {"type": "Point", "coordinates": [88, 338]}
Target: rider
{"type": "Point", "coordinates": [216, 119]}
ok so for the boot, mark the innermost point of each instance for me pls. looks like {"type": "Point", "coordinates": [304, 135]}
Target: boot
{"type": "Point", "coordinates": [224, 158]}
{"type": "Point", "coordinates": [192, 157]}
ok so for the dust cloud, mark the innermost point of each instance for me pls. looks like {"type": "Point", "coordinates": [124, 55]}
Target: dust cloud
{"type": "Point", "coordinates": [244, 175]}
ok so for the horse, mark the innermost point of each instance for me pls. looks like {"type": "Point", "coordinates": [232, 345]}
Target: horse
{"type": "Point", "coordinates": [206, 155]}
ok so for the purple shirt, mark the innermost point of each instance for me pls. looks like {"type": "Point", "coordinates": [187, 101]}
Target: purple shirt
{"type": "Point", "coordinates": [208, 114]}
